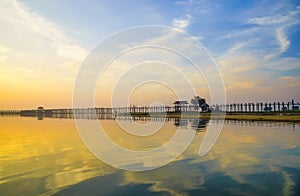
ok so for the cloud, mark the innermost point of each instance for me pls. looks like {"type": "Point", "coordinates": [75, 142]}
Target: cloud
{"type": "Point", "coordinates": [240, 33]}
{"type": "Point", "coordinates": [185, 3]}
{"type": "Point", "coordinates": [34, 48]}
{"type": "Point", "coordinates": [282, 39]}
{"type": "Point", "coordinates": [284, 42]}
{"type": "Point", "coordinates": [32, 42]}
{"type": "Point", "coordinates": [247, 73]}
{"type": "Point", "coordinates": [250, 57]}
{"type": "Point", "coordinates": [278, 25]}
{"type": "Point", "coordinates": [248, 76]}
{"type": "Point", "coordinates": [270, 20]}
{"type": "Point", "coordinates": [201, 7]}
{"type": "Point", "coordinates": [283, 64]}
{"type": "Point", "coordinates": [63, 46]}
{"type": "Point", "coordinates": [170, 43]}
{"type": "Point", "coordinates": [35, 54]}
{"type": "Point", "coordinates": [275, 18]}
{"type": "Point", "coordinates": [182, 23]}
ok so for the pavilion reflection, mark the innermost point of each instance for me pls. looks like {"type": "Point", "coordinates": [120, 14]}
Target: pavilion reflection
{"type": "Point", "coordinates": [199, 124]}
{"type": "Point", "coordinates": [193, 123]}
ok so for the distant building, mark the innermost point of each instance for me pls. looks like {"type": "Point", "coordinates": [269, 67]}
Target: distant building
{"type": "Point", "coordinates": [181, 106]}
{"type": "Point", "coordinates": [40, 110]}
{"type": "Point", "coordinates": [40, 113]}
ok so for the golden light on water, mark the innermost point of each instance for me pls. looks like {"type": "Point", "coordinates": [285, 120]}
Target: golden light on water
{"type": "Point", "coordinates": [47, 156]}
{"type": "Point", "coordinates": [49, 151]}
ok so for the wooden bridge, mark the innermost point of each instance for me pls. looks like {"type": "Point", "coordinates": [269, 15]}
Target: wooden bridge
{"type": "Point", "coordinates": [146, 110]}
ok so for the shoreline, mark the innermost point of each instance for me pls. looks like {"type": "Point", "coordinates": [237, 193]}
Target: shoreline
{"type": "Point", "coordinates": [282, 117]}
{"type": "Point", "coordinates": [242, 116]}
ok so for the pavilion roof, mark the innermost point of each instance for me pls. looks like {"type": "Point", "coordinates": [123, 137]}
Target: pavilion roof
{"type": "Point", "coordinates": [180, 102]}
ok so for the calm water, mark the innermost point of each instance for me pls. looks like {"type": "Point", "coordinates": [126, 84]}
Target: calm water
{"type": "Point", "coordinates": [47, 157]}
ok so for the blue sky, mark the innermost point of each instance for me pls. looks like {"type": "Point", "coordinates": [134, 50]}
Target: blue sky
{"type": "Point", "coordinates": [255, 43]}
{"type": "Point", "coordinates": [235, 21]}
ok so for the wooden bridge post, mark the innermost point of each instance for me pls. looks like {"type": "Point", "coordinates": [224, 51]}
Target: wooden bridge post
{"type": "Point", "coordinates": [293, 105]}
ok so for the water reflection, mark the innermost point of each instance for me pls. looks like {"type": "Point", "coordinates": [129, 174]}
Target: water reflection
{"type": "Point", "coordinates": [199, 124]}
{"type": "Point", "coordinates": [250, 158]}
{"type": "Point", "coordinates": [179, 122]}
{"type": "Point", "coordinates": [195, 123]}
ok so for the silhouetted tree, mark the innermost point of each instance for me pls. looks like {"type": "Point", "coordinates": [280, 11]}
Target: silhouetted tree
{"type": "Point", "coordinates": [195, 102]}
{"type": "Point", "coordinates": [199, 102]}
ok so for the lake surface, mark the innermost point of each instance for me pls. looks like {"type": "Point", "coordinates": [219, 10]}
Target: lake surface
{"type": "Point", "coordinates": [48, 157]}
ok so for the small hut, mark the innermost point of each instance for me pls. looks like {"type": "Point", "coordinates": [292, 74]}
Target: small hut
{"type": "Point", "coordinates": [40, 110]}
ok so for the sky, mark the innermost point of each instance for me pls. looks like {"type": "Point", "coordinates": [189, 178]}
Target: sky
{"type": "Point", "coordinates": [43, 44]}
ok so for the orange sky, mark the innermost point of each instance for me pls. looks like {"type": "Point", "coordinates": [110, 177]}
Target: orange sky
{"type": "Point", "coordinates": [39, 62]}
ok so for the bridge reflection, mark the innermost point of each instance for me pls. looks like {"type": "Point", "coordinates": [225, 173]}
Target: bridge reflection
{"type": "Point", "coordinates": [197, 124]}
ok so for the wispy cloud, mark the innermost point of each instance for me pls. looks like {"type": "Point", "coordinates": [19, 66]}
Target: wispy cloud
{"type": "Point", "coordinates": [284, 42]}
{"type": "Point", "coordinates": [34, 54]}
{"type": "Point", "coordinates": [33, 42]}
{"type": "Point", "coordinates": [269, 20]}
{"type": "Point", "coordinates": [252, 62]}
{"type": "Point", "coordinates": [201, 7]}
{"type": "Point", "coordinates": [253, 42]}
{"type": "Point", "coordinates": [278, 25]}
{"type": "Point", "coordinates": [240, 33]}
{"type": "Point", "coordinates": [63, 45]}
{"type": "Point", "coordinates": [182, 23]}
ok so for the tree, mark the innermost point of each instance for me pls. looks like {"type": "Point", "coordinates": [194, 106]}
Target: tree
{"type": "Point", "coordinates": [195, 102]}
{"type": "Point", "coordinates": [199, 102]}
